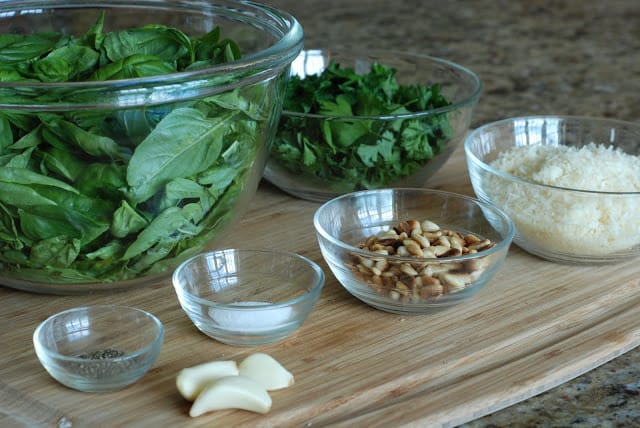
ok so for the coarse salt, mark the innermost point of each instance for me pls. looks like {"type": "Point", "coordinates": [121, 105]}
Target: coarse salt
{"type": "Point", "coordinates": [259, 321]}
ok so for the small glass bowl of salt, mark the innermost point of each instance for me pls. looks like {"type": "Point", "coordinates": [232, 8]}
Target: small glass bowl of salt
{"type": "Point", "coordinates": [248, 297]}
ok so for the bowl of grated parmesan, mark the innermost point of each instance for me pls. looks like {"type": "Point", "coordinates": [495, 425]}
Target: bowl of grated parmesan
{"type": "Point", "coordinates": [571, 185]}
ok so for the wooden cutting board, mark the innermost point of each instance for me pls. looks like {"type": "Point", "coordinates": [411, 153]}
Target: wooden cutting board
{"type": "Point", "coordinates": [536, 325]}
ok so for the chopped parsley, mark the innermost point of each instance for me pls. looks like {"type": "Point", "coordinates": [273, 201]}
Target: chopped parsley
{"type": "Point", "coordinates": [354, 152]}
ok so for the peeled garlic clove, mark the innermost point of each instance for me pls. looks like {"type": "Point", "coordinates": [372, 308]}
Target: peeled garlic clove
{"type": "Point", "coordinates": [232, 392]}
{"type": "Point", "coordinates": [191, 380]}
{"type": "Point", "coordinates": [266, 370]}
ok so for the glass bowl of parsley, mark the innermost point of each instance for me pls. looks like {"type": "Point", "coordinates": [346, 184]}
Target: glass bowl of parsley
{"type": "Point", "coordinates": [132, 133]}
{"type": "Point", "coordinates": [367, 120]}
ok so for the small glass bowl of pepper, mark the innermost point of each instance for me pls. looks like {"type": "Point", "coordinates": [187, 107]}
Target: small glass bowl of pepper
{"type": "Point", "coordinates": [98, 348]}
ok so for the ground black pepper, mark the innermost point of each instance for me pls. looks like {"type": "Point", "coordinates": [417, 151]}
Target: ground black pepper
{"type": "Point", "coordinates": [101, 364]}
{"type": "Point", "coordinates": [103, 354]}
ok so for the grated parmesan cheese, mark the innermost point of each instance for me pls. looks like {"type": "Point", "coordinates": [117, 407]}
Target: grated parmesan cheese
{"type": "Point", "coordinates": [566, 221]}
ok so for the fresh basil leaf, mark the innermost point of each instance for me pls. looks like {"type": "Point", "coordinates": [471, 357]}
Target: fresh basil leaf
{"type": "Point", "coordinates": [62, 163]}
{"type": "Point", "coordinates": [218, 179]}
{"type": "Point", "coordinates": [94, 36]}
{"type": "Point", "coordinates": [211, 49]}
{"type": "Point", "coordinates": [108, 252]}
{"type": "Point", "coordinates": [20, 49]}
{"type": "Point", "coordinates": [134, 66]}
{"type": "Point", "coordinates": [31, 139]}
{"type": "Point", "coordinates": [6, 134]}
{"type": "Point", "coordinates": [56, 252]}
{"type": "Point", "coordinates": [183, 144]}
{"type": "Point", "coordinates": [168, 44]}
{"type": "Point", "coordinates": [10, 74]}
{"type": "Point", "coordinates": [21, 160]}
{"type": "Point", "coordinates": [102, 180]}
{"type": "Point", "coordinates": [232, 101]}
{"type": "Point", "coordinates": [8, 229]}
{"type": "Point", "coordinates": [37, 225]}
{"type": "Point", "coordinates": [65, 64]}
{"type": "Point", "coordinates": [95, 145]}
{"type": "Point", "coordinates": [20, 120]}
{"type": "Point", "coordinates": [161, 229]}
{"type": "Point", "coordinates": [127, 220]}
{"type": "Point", "coordinates": [22, 195]}
{"type": "Point", "coordinates": [23, 176]}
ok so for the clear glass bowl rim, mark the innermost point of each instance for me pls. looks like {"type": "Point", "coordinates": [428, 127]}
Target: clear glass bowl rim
{"type": "Point", "coordinates": [281, 53]}
{"type": "Point", "coordinates": [311, 294]}
{"type": "Point", "coordinates": [500, 123]}
{"type": "Point", "coordinates": [499, 247]}
{"type": "Point", "coordinates": [51, 354]}
{"type": "Point", "coordinates": [469, 100]}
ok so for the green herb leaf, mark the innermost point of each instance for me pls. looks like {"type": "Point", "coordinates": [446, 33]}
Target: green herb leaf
{"type": "Point", "coordinates": [133, 66]}
{"type": "Point", "coordinates": [184, 143]}
{"type": "Point", "coordinates": [360, 152]}
{"type": "Point", "coordinates": [165, 43]}
{"type": "Point", "coordinates": [108, 195]}
{"type": "Point", "coordinates": [20, 49]}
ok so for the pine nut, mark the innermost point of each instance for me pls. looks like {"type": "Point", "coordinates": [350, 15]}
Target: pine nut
{"type": "Point", "coordinates": [420, 280]}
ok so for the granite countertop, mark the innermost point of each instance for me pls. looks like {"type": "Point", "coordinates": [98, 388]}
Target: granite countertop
{"type": "Point", "coordinates": [576, 57]}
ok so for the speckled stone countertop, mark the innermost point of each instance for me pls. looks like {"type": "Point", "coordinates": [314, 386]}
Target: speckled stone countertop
{"type": "Point", "coordinates": [575, 57]}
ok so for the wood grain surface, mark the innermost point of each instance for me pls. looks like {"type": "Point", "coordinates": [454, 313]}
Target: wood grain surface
{"type": "Point", "coordinates": [536, 325]}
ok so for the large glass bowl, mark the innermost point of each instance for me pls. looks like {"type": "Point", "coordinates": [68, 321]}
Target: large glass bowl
{"type": "Point", "coordinates": [564, 183]}
{"type": "Point", "coordinates": [112, 183]}
{"type": "Point", "coordinates": [320, 156]}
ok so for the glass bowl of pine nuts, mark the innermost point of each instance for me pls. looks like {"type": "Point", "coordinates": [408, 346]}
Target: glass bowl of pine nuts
{"type": "Point", "coordinates": [412, 251]}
